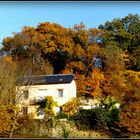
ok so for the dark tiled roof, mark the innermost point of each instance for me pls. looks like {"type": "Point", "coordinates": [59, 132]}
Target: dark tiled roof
{"type": "Point", "coordinates": [45, 79]}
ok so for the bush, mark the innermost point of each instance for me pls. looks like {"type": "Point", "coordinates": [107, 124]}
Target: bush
{"type": "Point", "coordinates": [71, 107]}
{"type": "Point", "coordinates": [113, 116]}
{"type": "Point", "coordinates": [97, 118]}
{"type": "Point", "coordinates": [89, 119]}
{"type": "Point", "coordinates": [65, 132]}
{"type": "Point", "coordinates": [61, 115]}
{"type": "Point", "coordinates": [82, 119]}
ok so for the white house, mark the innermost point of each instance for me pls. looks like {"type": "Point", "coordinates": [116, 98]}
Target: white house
{"type": "Point", "coordinates": [61, 87]}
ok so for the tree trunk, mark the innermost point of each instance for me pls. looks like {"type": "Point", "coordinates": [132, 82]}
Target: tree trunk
{"type": "Point", "coordinates": [11, 132]}
{"type": "Point", "coordinates": [13, 125]}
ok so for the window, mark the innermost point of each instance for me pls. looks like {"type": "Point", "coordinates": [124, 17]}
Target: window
{"type": "Point", "coordinates": [41, 112]}
{"type": "Point", "coordinates": [26, 94]}
{"type": "Point", "coordinates": [60, 92]}
{"type": "Point", "coordinates": [25, 110]}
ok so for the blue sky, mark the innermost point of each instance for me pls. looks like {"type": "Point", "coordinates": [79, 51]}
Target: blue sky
{"type": "Point", "coordinates": [15, 15]}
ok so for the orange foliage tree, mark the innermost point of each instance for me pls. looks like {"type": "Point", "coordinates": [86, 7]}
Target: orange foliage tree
{"type": "Point", "coordinates": [131, 104]}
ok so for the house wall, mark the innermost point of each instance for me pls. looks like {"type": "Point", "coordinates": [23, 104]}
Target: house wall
{"type": "Point", "coordinates": [36, 91]}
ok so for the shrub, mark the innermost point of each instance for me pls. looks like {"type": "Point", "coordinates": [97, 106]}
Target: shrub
{"type": "Point", "coordinates": [82, 119]}
{"type": "Point", "coordinates": [114, 116]}
{"type": "Point", "coordinates": [89, 119]}
{"type": "Point", "coordinates": [71, 107]}
{"type": "Point", "coordinates": [61, 115]}
{"type": "Point", "coordinates": [65, 132]}
{"type": "Point", "coordinates": [97, 118]}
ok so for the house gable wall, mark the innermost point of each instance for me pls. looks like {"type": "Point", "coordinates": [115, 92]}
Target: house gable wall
{"type": "Point", "coordinates": [69, 91]}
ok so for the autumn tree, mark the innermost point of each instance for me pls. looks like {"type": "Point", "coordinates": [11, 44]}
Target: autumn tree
{"type": "Point", "coordinates": [84, 50]}
{"type": "Point", "coordinates": [91, 86]}
{"type": "Point", "coordinates": [51, 42]}
{"type": "Point", "coordinates": [9, 111]}
{"type": "Point", "coordinates": [7, 81]}
{"type": "Point", "coordinates": [71, 107]}
{"type": "Point", "coordinates": [8, 119]}
{"type": "Point", "coordinates": [130, 106]}
{"type": "Point", "coordinates": [113, 66]}
{"type": "Point", "coordinates": [122, 84]}
{"type": "Point", "coordinates": [24, 49]}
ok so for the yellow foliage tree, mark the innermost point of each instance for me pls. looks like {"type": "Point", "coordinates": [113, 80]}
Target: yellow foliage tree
{"type": "Point", "coordinates": [71, 107]}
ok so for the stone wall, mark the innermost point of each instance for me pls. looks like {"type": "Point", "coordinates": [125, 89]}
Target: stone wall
{"type": "Point", "coordinates": [43, 129]}
{"type": "Point", "coordinates": [73, 132]}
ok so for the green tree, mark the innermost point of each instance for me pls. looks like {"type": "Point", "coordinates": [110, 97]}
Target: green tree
{"type": "Point", "coordinates": [47, 105]}
{"type": "Point", "coordinates": [108, 102]}
{"type": "Point", "coordinates": [125, 33]}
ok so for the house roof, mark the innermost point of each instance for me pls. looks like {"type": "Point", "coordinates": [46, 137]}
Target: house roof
{"type": "Point", "coordinates": [45, 79]}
